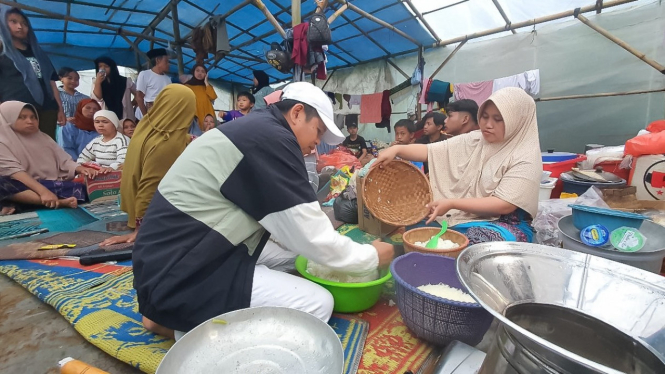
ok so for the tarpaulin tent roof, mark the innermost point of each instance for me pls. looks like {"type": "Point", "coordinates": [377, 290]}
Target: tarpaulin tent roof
{"type": "Point", "coordinates": [74, 44]}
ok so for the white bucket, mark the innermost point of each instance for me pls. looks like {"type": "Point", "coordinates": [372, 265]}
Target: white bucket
{"type": "Point", "coordinates": [546, 189]}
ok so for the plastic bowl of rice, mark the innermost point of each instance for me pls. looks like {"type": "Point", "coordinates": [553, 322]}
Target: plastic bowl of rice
{"type": "Point", "coordinates": [349, 297]}
{"type": "Point", "coordinates": [438, 317]}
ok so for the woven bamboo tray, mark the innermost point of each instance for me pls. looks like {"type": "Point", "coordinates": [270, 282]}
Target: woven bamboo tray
{"type": "Point", "coordinates": [397, 194]}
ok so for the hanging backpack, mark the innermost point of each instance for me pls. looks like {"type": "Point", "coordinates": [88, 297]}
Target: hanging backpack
{"type": "Point", "coordinates": [319, 30]}
{"type": "Point", "coordinates": [278, 58]}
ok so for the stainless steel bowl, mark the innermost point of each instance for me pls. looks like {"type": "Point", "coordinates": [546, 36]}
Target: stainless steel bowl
{"type": "Point", "coordinates": [263, 340]}
{"type": "Point", "coordinates": [627, 302]}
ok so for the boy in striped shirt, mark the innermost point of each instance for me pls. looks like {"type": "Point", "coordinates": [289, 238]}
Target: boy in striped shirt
{"type": "Point", "coordinates": [109, 149]}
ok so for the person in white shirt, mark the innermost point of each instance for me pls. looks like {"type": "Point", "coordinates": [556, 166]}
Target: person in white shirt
{"type": "Point", "coordinates": [151, 82]}
{"type": "Point", "coordinates": [109, 149]}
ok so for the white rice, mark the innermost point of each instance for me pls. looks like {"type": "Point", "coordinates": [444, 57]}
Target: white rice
{"type": "Point", "coordinates": [444, 291]}
{"type": "Point", "coordinates": [329, 274]}
{"type": "Point", "coordinates": [441, 244]}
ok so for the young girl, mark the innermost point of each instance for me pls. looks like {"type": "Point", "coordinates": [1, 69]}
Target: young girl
{"type": "Point", "coordinates": [109, 149]}
{"type": "Point", "coordinates": [69, 96]}
{"type": "Point", "coordinates": [209, 122]}
{"type": "Point", "coordinates": [128, 127]}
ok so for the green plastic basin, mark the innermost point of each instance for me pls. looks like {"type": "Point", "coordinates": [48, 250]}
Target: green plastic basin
{"type": "Point", "coordinates": [349, 297]}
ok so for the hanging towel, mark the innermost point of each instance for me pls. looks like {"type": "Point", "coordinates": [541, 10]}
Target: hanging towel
{"type": "Point", "coordinates": [340, 100]}
{"type": "Point", "coordinates": [532, 82]}
{"type": "Point", "coordinates": [339, 120]}
{"type": "Point", "coordinates": [476, 91]}
{"type": "Point", "coordinates": [440, 92]}
{"type": "Point", "coordinates": [300, 46]}
{"type": "Point", "coordinates": [370, 108]}
{"type": "Point", "coordinates": [386, 106]}
{"type": "Point", "coordinates": [423, 94]}
{"type": "Point", "coordinates": [354, 100]}
{"type": "Point", "coordinates": [517, 80]}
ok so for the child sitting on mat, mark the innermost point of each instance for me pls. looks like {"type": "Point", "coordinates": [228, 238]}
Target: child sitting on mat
{"type": "Point", "coordinates": [108, 150]}
{"type": "Point", "coordinates": [244, 103]}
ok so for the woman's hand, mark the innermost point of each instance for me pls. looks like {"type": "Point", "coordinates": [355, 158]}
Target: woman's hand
{"type": "Point", "coordinates": [385, 156]}
{"type": "Point", "coordinates": [439, 208]}
{"type": "Point", "coordinates": [70, 119]}
{"type": "Point", "coordinates": [49, 199]}
{"type": "Point", "coordinates": [127, 238]}
{"type": "Point", "coordinates": [90, 173]}
{"type": "Point", "coordinates": [101, 75]}
{"type": "Point", "coordinates": [206, 80]}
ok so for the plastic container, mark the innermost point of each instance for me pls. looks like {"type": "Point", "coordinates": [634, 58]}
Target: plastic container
{"type": "Point", "coordinates": [71, 366]}
{"type": "Point", "coordinates": [584, 216]}
{"type": "Point", "coordinates": [649, 258]}
{"type": "Point", "coordinates": [545, 192]}
{"type": "Point", "coordinates": [437, 320]}
{"type": "Point", "coordinates": [595, 235]}
{"type": "Point", "coordinates": [572, 186]}
{"type": "Point", "coordinates": [349, 297]}
{"type": "Point", "coordinates": [559, 167]}
{"type": "Point", "coordinates": [627, 239]}
{"type": "Point", "coordinates": [551, 156]}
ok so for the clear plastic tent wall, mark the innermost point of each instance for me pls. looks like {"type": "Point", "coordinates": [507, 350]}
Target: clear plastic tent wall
{"type": "Point", "coordinates": [573, 59]}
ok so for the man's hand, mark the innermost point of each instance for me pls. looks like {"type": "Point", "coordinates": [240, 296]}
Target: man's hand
{"type": "Point", "coordinates": [385, 251]}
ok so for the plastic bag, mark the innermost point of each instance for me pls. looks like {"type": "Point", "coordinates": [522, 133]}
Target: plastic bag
{"type": "Point", "coordinates": [648, 144]}
{"type": "Point", "coordinates": [339, 159]}
{"type": "Point", "coordinates": [551, 211]}
{"type": "Point", "coordinates": [346, 208]}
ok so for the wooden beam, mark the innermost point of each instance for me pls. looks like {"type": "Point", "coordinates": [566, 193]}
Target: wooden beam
{"type": "Point", "coordinates": [135, 48]}
{"type": "Point", "coordinates": [531, 22]}
{"type": "Point", "coordinates": [273, 21]}
{"type": "Point", "coordinates": [337, 13]}
{"type": "Point", "coordinates": [622, 44]}
{"type": "Point", "coordinates": [189, 34]}
{"type": "Point", "coordinates": [503, 14]}
{"type": "Point", "coordinates": [380, 22]}
{"type": "Point", "coordinates": [398, 69]}
{"type": "Point", "coordinates": [450, 57]}
{"type": "Point", "coordinates": [176, 34]}
{"type": "Point", "coordinates": [103, 6]}
{"type": "Point", "coordinates": [589, 96]}
{"type": "Point", "coordinates": [295, 12]}
{"type": "Point", "coordinates": [76, 20]}
{"type": "Point", "coordinates": [152, 26]}
{"type": "Point", "coordinates": [444, 7]}
{"type": "Point", "coordinates": [422, 19]}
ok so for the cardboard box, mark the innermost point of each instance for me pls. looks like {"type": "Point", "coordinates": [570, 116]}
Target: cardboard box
{"type": "Point", "coordinates": [366, 221]}
{"type": "Point", "coordinates": [104, 186]}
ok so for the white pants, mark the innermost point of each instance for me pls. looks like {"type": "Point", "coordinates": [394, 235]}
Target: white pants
{"type": "Point", "coordinates": [273, 287]}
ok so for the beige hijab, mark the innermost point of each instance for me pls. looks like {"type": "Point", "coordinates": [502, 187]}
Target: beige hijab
{"type": "Point", "coordinates": [467, 166]}
{"type": "Point", "coordinates": [36, 154]}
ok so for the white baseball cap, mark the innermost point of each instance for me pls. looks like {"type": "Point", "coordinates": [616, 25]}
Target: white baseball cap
{"type": "Point", "coordinates": [311, 95]}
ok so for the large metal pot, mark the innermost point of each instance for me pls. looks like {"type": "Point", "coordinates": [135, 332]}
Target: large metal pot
{"type": "Point", "coordinates": [566, 312]}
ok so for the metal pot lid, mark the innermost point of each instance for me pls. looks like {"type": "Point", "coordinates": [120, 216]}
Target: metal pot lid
{"type": "Point", "coordinates": [503, 274]}
{"type": "Point", "coordinates": [257, 340]}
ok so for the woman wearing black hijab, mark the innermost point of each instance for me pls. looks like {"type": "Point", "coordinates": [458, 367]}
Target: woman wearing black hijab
{"type": "Point", "coordinates": [113, 90]}
{"type": "Point", "coordinates": [261, 88]}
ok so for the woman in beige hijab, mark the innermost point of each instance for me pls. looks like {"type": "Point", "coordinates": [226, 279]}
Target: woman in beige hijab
{"type": "Point", "coordinates": [34, 170]}
{"type": "Point", "coordinates": [486, 182]}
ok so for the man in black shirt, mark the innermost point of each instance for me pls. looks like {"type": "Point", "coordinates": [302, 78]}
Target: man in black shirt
{"type": "Point", "coordinates": [434, 122]}
{"type": "Point", "coordinates": [354, 142]}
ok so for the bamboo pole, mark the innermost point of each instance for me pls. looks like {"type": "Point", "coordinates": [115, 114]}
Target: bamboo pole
{"type": "Point", "coordinates": [450, 56]}
{"type": "Point", "coordinates": [589, 96]}
{"type": "Point", "coordinates": [422, 19]}
{"type": "Point", "coordinates": [444, 7]}
{"type": "Point", "coordinates": [295, 12]}
{"type": "Point", "coordinates": [530, 22]}
{"type": "Point", "coordinates": [135, 48]}
{"type": "Point", "coordinates": [77, 20]}
{"type": "Point", "coordinates": [154, 23]}
{"type": "Point", "coordinates": [176, 34]}
{"type": "Point", "coordinates": [381, 22]}
{"type": "Point", "coordinates": [419, 108]}
{"type": "Point", "coordinates": [398, 69]}
{"type": "Point", "coordinates": [622, 44]}
{"type": "Point", "coordinates": [337, 13]}
{"type": "Point", "coordinates": [262, 7]}
{"type": "Point", "coordinates": [503, 14]}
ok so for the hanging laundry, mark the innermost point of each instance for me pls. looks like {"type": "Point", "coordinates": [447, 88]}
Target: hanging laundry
{"type": "Point", "coordinates": [347, 98]}
{"type": "Point", "coordinates": [476, 91]}
{"type": "Point", "coordinates": [370, 108]}
{"type": "Point", "coordinates": [331, 96]}
{"type": "Point", "coordinates": [338, 97]}
{"type": "Point", "coordinates": [517, 80]}
{"type": "Point", "coordinates": [423, 94]}
{"type": "Point", "coordinates": [354, 100]}
{"type": "Point", "coordinates": [439, 92]}
{"type": "Point", "coordinates": [386, 110]}
{"type": "Point", "coordinates": [300, 46]}
{"type": "Point", "coordinates": [339, 120]}
{"type": "Point", "coordinates": [533, 82]}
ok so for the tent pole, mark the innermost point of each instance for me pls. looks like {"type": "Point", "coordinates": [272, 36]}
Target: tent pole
{"type": "Point", "coordinates": [397, 68]}
{"type": "Point", "coordinates": [262, 7]}
{"type": "Point", "coordinates": [76, 20]}
{"type": "Point", "coordinates": [503, 14]}
{"type": "Point", "coordinates": [444, 7]}
{"type": "Point", "coordinates": [135, 48]}
{"type": "Point", "coordinates": [531, 22]}
{"type": "Point", "coordinates": [337, 13]}
{"type": "Point", "coordinates": [295, 12]}
{"type": "Point", "coordinates": [176, 35]}
{"type": "Point", "coordinates": [419, 107]}
{"type": "Point", "coordinates": [154, 23]}
{"type": "Point", "coordinates": [610, 94]}
{"type": "Point", "coordinates": [327, 80]}
{"type": "Point", "coordinates": [622, 44]}
{"type": "Point", "coordinates": [380, 22]}
{"type": "Point", "coordinates": [422, 19]}
{"type": "Point", "coordinates": [450, 56]}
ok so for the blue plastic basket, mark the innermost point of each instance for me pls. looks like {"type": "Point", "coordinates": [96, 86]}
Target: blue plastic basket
{"type": "Point", "coordinates": [584, 216]}
{"type": "Point", "coordinates": [437, 320]}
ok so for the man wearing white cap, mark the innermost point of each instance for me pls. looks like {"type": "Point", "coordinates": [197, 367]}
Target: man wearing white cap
{"type": "Point", "coordinates": [199, 252]}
